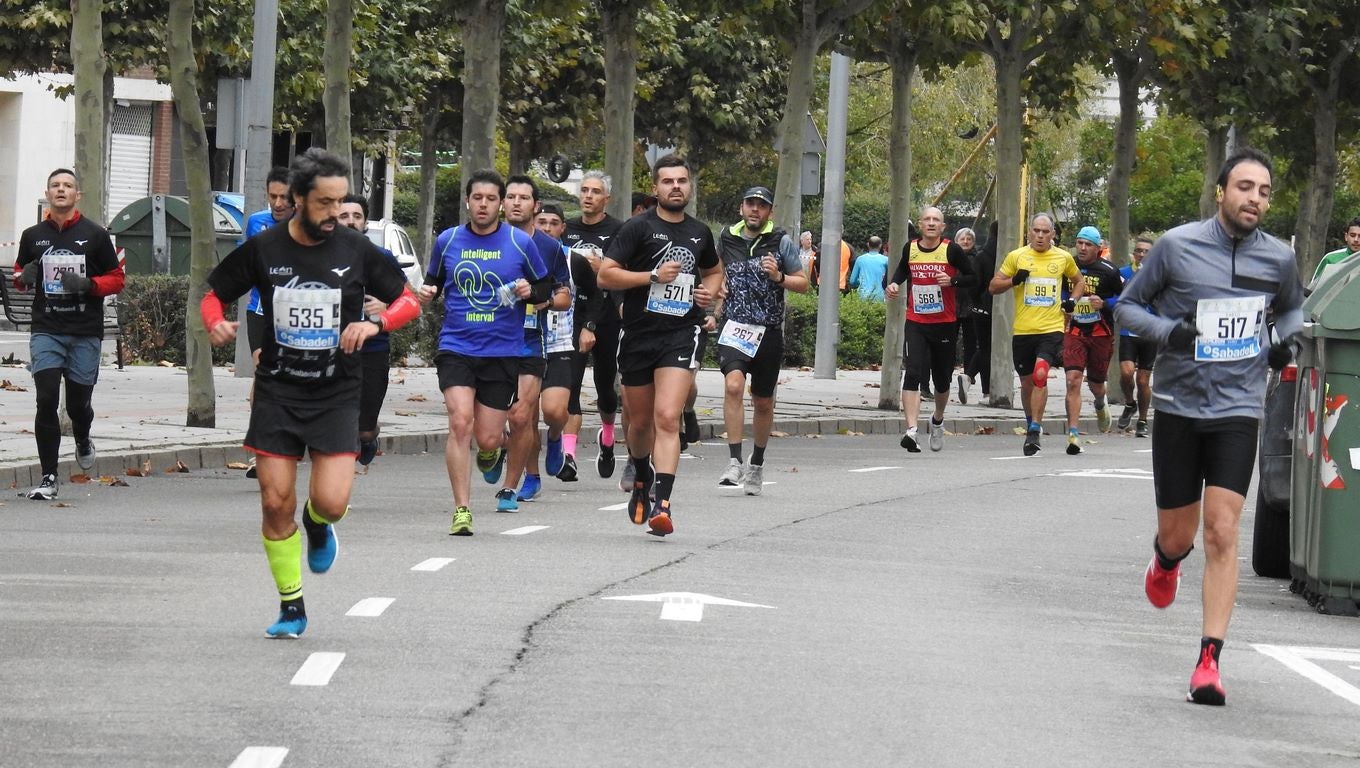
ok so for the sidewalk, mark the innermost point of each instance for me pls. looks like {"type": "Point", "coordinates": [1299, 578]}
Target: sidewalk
{"type": "Point", "coordinates": [140, 414]}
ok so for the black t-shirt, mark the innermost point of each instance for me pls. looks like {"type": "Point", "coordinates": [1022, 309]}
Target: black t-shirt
{"type": "Point", "coordinates": [308, 294]}
{"type": "Point", "coordinates": [596, 237]}
{"type": "Point", "coordinates": [1102, 279]}
{"type": "Point", "coordinates": [82, 247]}
{"type": "Point", "coordinates": [642, 244]}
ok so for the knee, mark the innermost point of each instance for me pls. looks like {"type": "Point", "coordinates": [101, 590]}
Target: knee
{"type": "Point", "coordinates": [763, 406]}
{"type": "Point", "coordinates": [667, 420]}
{"type": "Point", "coordinates": [1039, 377]}
{"type": "Point", "coordinates": [520, 418]}
{"type": "Point", "coordinates": [277, 506]}
{"type": "Point", "coordinates": [733, 385]}
{"type": "Point", "coordinates": [1220, 536]}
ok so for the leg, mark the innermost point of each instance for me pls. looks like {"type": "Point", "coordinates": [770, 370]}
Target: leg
{"type": "Point", "coordinates": [762, 420]}
{"type": "Point", "coordinates": [671, 387]}
{"type": "Point", "coordinates": [1073, 399]}
{"type": "Point", "coordinates": [734, 408]}
{"type": "Point", "coordinates": [1144, 393]}
{"type": "Point", "coordinates": [1126, 370]}
{"type": "Point", "coordinates": [1222, 511]}
{"type": "Point", "coordinates": [80, 408]}
{"type": "Point", "coordinates": [277, 476]}
{"type": "Point", "coordinates": [459, 402]}
{"type": "Point", "coordinates": [46, 421]}
{"type": "Point", "coordinates": [523, 429]}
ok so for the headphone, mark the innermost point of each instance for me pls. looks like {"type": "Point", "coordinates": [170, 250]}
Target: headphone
{"type": "Point", "coordinates": [1218, 192]}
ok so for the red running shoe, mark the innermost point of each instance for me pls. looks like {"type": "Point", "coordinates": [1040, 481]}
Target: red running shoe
{"type": "Point", "coordinates": [1161, 584]}
{"type": "Point", "coordinates": [1205, 685]}
{"type": "Point", "coordinates": [659, 523]}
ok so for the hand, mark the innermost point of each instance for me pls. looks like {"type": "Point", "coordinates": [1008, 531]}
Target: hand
{"type": "Point", "coordinates": [587, 340]}
{"type": "Point", "coordinates": [667, 271]}
{"type": "Point", "coordinates": [710, 323]}
{"type": "Point", "coordinates": [943, 278]}
{"type": "Point", "coordinates": [76, 284]}
{"type": "Point", "coordinates": [522, 288]}
{"type": "Point", "coordinates": [1021, 275]}
{"type": "Point", "coordinates": [1069, 306]}
{"type": "Point", "coordinates": [703, 298]}
{"type": "Point", "coordinates": [426, 293]}
{"type": "Point", "coordinates": [1183, 336]}
{"type": "Point", "coordinates": [1097, 303]}
{"type": "Point", "coordinates": [771, 268]}
{"type": "Point", "coordinates": [892, 290]}
{"type": "Point", "coordinates": [32, 274]}
{"type": "Point", "coordinates": [373, 306]}
{"type": "Point", "coordinates": [1280, 355]}
{"type": "Point", "coordinates": [223, 333]}
{"type": "Point", "coordinates": [355, 334]}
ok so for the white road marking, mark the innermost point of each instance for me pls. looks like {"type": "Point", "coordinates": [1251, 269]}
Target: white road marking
{"type": "Point", "coordinates": [318, 668]}
{"type": "Point", "coordinates": [1008, 458]}
{"type": "Point", "coordinates": [433, 564]}
{"type": "Point", "coordinates": [739, 487]}
{"type": "Point", "coordinates": [1118, 474]}
{"type": "Point", "coordinates": [873, 469]}
{"type": "Point", "coordinates": [260, 757]}
{"type": "Point", "coordinates": [525, 530]}
{"type": "Point", "coordinates": [1143, 450]}
{"type": "Point", "coordinates": [1298, 658]}
{"type": "Point", "coordinates": [685, 606]}
{"type": "Point", "coordinates": [371, 607]}
{"type": "Point", "coordinates": [615, 507]}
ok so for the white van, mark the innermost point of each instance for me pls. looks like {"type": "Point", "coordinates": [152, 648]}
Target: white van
{"type": "Point", "coordinates": [390, 235]}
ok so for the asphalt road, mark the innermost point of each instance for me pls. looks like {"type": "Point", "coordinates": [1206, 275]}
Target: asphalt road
{"type": "Point", "coordinates": [968, 608]}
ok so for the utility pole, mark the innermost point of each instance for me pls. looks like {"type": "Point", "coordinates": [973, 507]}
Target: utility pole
{"type": "Point", "coordinates": [259, 108]}
{"type": "Point", "coordinates": [833, 214]}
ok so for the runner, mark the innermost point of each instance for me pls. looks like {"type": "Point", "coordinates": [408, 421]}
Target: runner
{"type": "Point", "coordinates": [484, 269]}
{"type": "Point", "coordinates": [935, 272]}
{"type": "Point", "coordinates": [1212, 284]}
{"type": "Point", "coordinates": [1351, 248]}
{"type": "Point", "coordinates": [69, 262]}
{"type": "Point", "coordinates": [761, 262]}
{"type": "Point", "coordinates": [1089, 340]}
{"type": "Point", "coordinates": [1136, 356]}
{"type": "Point", "coordinates": [1033, 273]}
{"type": "Point", "coordinates": [666, 268]}
{"type": "Point", "coordinates": [312, 276]}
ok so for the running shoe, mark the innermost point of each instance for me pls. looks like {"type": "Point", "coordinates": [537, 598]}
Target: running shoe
{"type": "Point", "coordinates": [963, 389]}
{"type": "Point", "coordinates": [529, 489]}
{"type": "Point", "coordinates": [505, 500]}
{"type": "Point", "coordinates": [85, 454]}
{"type": "Point", "coordinates": [368, 449]}
{"type": "Point", "coordinates": [46, 490]}
{"type": "Point", "coordinates": [936, 436]}
{"type": "Point", "coordinates": [251, 472]}
{"type": "Point", "coordinates": [604, 462]}
{"type": "Point", "coordinates": [1103, 419]}
{"type": "Point", "coordinates": [731, 477]}
{"type": "Point", "coordinates": [1160, 584]}
{"type": "Point", "coordinates": [292, 622]}
{"type": "Point", "coordinates": [490, 464]}
{"type": "Point", "coordinates": [1142, 430]}
{"type": "Point", "coordinates": [909, 442]}
{"type": "Point", "coordinates": [462, 522]}
{"type": "Point", "coordinates": [691, 427]}
{"type": "Point", "coordinates": [322, 545]}
{"type": "Point", "coordinates": [627, 477]}
{"type": "Point", "coordinates": [568, 473]}
{"type": "Point", "coordinates": [1031, 446]}
{"type": "Point", "coordinates": [1206, 687]}
{"type": "Point", "coordinates": [638, 501]}
{"type": "Point", "coordinates": [1073, 443]}
{"type": "Point", "coordinates": [553, 457]}
{"type": "Point", "coordinates": [753, 480]}
{"type": "Point", "coordinates": [1126, 416]}
{"type": "Point", "coordinates": [659, 521]}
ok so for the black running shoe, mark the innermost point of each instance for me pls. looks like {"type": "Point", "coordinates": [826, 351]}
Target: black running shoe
{"type": "Point", "coordinates": [909, 442]}
{"type": "Point", "coordinates": [568, 472]}
{"type": "Point", "coordinates": [1032, 442]}
{"type": "Point", "coordinates": [1126, 416]}
{"type": "Point", "coordinates": [604, 462]}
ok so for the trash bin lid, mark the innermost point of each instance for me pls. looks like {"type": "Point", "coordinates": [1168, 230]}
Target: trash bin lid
{"type": "Point", "coordinates": [1335, 303]}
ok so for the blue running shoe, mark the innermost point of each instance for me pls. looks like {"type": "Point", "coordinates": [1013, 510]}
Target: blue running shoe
{"type": "Point", "coordinates": [491, 470]}
{"type": "Point", "coordinates": [291, 623]}
{"type": "Point", "coordinates": [322, 545]}
{"type": "Point", "coordinates": [553, 458]}
{"type": "Point", "coordinates": [505, 500]}
{"type": "Point", "coordinates": [532, 485]}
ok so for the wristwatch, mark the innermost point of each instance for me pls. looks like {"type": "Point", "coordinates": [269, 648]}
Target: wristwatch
{"type": "Point", "coordinates": [590, 326]}
{"type": "Point", "coordinates": [376, 320]}
{"type": "Point", "coordinates": [656, 275]}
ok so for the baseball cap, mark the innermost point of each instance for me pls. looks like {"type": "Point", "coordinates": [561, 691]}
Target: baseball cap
{"type": "Point", "coordinates": [759, 193]}
{"type": "Point", "coordinates": [1090, 234]}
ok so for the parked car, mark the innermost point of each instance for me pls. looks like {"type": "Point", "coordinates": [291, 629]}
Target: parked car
{"type": "Point", "coordinates": [390, 235]}
{"type": "Point", "coordinates": [1270, 533]}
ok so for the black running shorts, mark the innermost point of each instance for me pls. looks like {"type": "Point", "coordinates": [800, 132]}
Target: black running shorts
{"type": "Point", "coordinates": [1032, 347]}
{"type": "Point", "coordinates": [640, 354]}
{"type": "Point", "coordinates": [763, 368]}
{"type": "Point", "coordinates": [929, 349]}
{"type": "Point", "coordinates": [496, 379]}
{"type": "Point", "coordinates": [1137, 350]}
{"type": "Point", "coordinates": [1189, 454]}
{"type": "Point", "coordinates": [290, 430]}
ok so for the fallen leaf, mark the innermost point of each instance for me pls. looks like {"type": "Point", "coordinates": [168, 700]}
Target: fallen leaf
{"type": "Point", "coordinates": [238, 465]}
{"type": "Point", "coordinates": [812, 437]}
{"type": "Point", "coordinates": [134, 472]}
{"type": "Point", "coordinates": [986, 430]}
{"type": "Point", "coordinates": [114, 481]}
{"type": "Point", "coordinates": [178, 467]}
{"type": "Point", "coordinates": [61, 504]}
{"type": "Point", "coordinates": [1018, 431]}
{"type": "Point", "coordinates": [406, 413]}
{"type": "Point", "coordinates": [146, 467]}
{"type": "Point", "coordinates": [416, 398]}
{"type": "Point", "coordinates": [402, 380]}
{"type": "Point", "coordinates": [773, 433]}
{"type": "Point", "coordinates": [876, 366]}
{"type": "Point", "coordinates": [871, 385]}
{"type": "Point", "coordinates": [79, 479]}
{"type": "Point", "coordinates": [10, 386]}
{"type": "Point", "coordinates": [165, 364]}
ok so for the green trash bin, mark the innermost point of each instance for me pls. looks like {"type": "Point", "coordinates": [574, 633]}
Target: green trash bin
{"type": "Point", "coordinates": [1328, 490]}
{"type": "Point", "coordinates": [154, 235]}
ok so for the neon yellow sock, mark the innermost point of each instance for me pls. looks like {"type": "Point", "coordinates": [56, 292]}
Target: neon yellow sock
{"type": "Point", "coordinates": [318, 519]}
{"type": "Point", "coordinates": [285, 562]}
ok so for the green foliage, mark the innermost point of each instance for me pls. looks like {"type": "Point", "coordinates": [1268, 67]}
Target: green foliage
{"type": "Point", "coordinates": [1167, 174]}
{"type": "Point", "coordinates": [419, 338]}
{"type": "Point", "coordinates": [151, 311]}
{"type": "Point", "coordinates": [866, 215]}
{"type": "Point", "coordinates": [862, 325]}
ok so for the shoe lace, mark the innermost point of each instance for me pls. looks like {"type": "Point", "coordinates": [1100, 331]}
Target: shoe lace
{"type": "Point", "coordinates": [1206, 658]}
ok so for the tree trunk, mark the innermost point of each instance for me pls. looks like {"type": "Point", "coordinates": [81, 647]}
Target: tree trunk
{"type": "Point", "coordinates": [87, 56]}
{"type": "Point", "coordinates": [788, 188]}
{"type": "Point", "coordinates": [519, 155]}
{"type": "Point", "coordinates": [1315, 206]}
{"type": "Point", "coordinates": [619, 20]}
{"type": "Point", "coordinates": [1128, 71]}
{"type": "Point", "coordinates": [429, 171]}
{"type": "Point", "coordinates": [1010, 155]}
{"type": "Point", "coordinates": [1215, 152]}
{"type": "Point", "coordinates": [483, 25]}
{"type": "Point", "coordinates": [902, 57]}
{"type": "Point", "coordinates": [202, 410]}
{"type": "Point", "coordinates": [336, 63]}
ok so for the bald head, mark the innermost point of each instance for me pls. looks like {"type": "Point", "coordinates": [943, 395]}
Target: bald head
{"type": "Point", "coordinates": [932, 225]}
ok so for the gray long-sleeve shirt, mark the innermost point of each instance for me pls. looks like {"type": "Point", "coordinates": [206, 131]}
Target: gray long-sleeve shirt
{"type": "Point", "coordinates": [1184, 277]}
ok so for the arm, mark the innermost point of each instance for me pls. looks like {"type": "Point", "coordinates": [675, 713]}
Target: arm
{"type": "Point", "coordinates": [792, 267]}
{"type": "Point", "coordinates": [112, 278]}
{"type": "Point", "coordinates": [211, 309]}
{"type": "Point", "coordinates": [1142, 292]}
{"type": "Point", "coordinates": [435, 269]}
{"type": "Point", "coordinates": [1007, 276]}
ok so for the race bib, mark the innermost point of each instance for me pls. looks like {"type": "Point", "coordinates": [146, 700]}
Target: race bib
{"type": "Point", "coordinates": [1229, 329]}
{"type": "Point", "coordinates": [1041, 292]}
{"type": "Point", "coordinates": [927, 299]}
{"type": "Point", "coordinates": [530, 318]}
{"type": "Point", "coordinates": [557, 330]}
{"type": "Point", "coordinates": [1085, 313]}
{"type": "Point", "coordinates": [54, 266]}
{"type": "Point", "coordinates": [743, 337]}
{"type": "Point", "coordinates": [307, 318]}
{"type": "Point", "coordinates": [673, 298]}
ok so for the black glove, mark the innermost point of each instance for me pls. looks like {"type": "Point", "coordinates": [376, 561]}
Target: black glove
{"type": "Point", "coordinates": [32, 274]}
{"type": "Point", "coordinates": [1021, 275]}
{"type": "Point", "coordinates": [76, 284]}
{"type": "Point", "coordinates": [1069, 306]}
{"type": "Point", "coordinates": [1279, 355]}
{"type": "Point", "coordinates": [1183, 336]}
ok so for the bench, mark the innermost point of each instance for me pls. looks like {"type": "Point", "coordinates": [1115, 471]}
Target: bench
{"type": "Point", "coordinates": [19, 312]}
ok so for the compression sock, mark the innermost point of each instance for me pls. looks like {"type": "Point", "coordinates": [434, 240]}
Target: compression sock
{"type": "Point", "coordinates": [1100, 403]}
{"type": "Point", "coordinates": [318, 519]}
{"type": "Point", "coordinates": [734, 450]}
{"type": "Point", "coordinates": [1164, 560]}
{"type": "Point", "coordinates": [285, 562]}
{"type": "Point", "coordinates": [607, 434]}
{"type": "Point", "coordinates": [569, 444]}
{"type": "Point", "coordinates": [642, 467]}
{"type": "Point", "coordinates": [758, 455]}
{"type": "Point", "coordinates": [664, 483]}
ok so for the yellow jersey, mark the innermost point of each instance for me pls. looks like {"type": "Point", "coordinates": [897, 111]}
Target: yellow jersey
{"type": "Point", "coordinates": [1038, 300]}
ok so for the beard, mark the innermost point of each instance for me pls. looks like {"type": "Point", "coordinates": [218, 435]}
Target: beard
{"type": "Point", "coordinates": [314, 230]}
{"type": "Point", "coordinates": [674, 206]}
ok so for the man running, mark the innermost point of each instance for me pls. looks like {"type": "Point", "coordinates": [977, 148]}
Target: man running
{"type": "Point", "coordinates": [1089, 340]}
{"type": "Point", "coordinates": [484, 269]}
{"type": "Point", "coordinates": [1339, 255]}
{"type": "Point", "coordinates": [932, 270]}
{"type": "Point", "coordinates": [1136, 356]}
{"type": "Point", "coordinates": [591, 233]}
{"type": "Point", "coordinates": [666, 268]}
{"type": "Point", "coordinates": [69, 262]}
{"type": "Point", "coordinates": [1212, 284]}
{"type": "Point", "coordinates": [1034, 273]}
{"type": "Point", "coordinates": [312, 276]}
{"type": "Point", "coordinates": [760, 263]}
